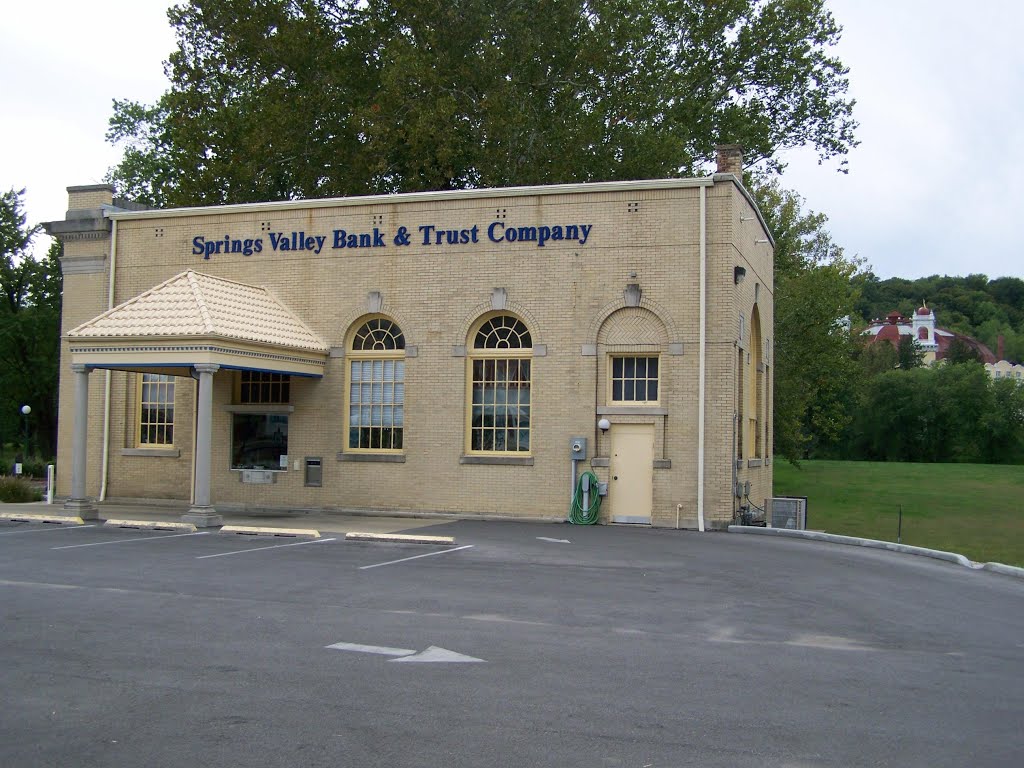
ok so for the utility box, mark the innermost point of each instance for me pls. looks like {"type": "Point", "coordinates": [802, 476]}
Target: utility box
{"type": "Point", "coordinates": [577, 448]}
{"type": "Point", "coordinates": [314, 472]}
{"type": "Point", "coordinates": [786, 512]}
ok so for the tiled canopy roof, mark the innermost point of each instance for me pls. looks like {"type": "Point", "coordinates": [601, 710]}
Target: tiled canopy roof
{"type": "Point", "coordinates": [196, 305]}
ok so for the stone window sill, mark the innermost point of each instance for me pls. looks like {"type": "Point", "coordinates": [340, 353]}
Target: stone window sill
{"type": "Point", "coordinates": [166, 453]}
{"type": "Point", "coordinates": [382, 458]}
{"type": "Point", "coordinates": [507, 461]}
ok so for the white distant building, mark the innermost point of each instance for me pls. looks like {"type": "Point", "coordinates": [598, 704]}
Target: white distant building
{"type": "Point", "coordinates": [1004, 369]}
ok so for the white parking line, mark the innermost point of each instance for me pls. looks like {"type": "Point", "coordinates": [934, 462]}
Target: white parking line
{"type": "Point", "coordinates": [125, 541]}
{"type": "Point", "coordinates": [260, 549]}
{"type": "Point", "coordinates": [44, 530]}
{"type": "Point", "coordinates": [415, 557]}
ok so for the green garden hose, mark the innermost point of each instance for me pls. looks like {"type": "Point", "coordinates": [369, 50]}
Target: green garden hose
{"type": "Point", "coordinates": [577, 514]}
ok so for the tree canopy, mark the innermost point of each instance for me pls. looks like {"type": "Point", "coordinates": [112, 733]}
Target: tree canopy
{"type": "Point", "coordinates": [814, 349]}
{"type": "Point", "coordinates": [30, 293]}
{"type": "Point", "coordinates": [311, 98]}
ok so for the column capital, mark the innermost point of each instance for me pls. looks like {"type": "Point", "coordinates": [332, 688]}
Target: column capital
{"type": "Point", "coordinates": [81, 368]}
{"type": "Point", "coordinates": [206, 367]}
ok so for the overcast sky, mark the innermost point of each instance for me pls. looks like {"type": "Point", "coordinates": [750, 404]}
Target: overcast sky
{"type": "Point", "coordinates": [933, 188]}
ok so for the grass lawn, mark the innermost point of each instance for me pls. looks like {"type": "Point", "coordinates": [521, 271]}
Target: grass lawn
{"type": "Point", "coordinates": [974, 509]}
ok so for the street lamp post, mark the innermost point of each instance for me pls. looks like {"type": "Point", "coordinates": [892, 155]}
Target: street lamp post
{"type": "Point", "coordinates": [25, 411]}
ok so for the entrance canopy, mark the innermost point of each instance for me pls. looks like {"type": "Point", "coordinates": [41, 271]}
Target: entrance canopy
{"type": "Point", "coordinates": [195, 319]}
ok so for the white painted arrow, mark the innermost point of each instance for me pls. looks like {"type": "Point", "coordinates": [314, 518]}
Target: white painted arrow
{"type": "Point", "coordinates": [431, 654]}
{"type": "Point", "coordinates": [556, 541]}
{"type": "Point", "coordinates": [378, 649]}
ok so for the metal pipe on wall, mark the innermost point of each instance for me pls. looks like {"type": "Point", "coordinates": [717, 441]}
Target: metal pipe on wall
{"type": "Point", "coordinates": [703, 357]}
{"type": "Point", "coordinates": [105, 463]}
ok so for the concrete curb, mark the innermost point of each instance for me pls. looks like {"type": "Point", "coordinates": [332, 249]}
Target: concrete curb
{"type": "Point", "coordinates": [150, 525]}
{"type": "Point", "coordinates": [19, 517]}
{"type": "Point", "coordinates": [399, 538]}
{"type": "Point", "coordinates": [291, 533]}
{"type": "Point", "coordinates": [1006, 570]}
{"type": "Point", "coordinates": [937, 554]}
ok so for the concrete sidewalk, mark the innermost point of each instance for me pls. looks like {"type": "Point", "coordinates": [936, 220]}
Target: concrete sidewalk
{"type": "Point", "coordinates": [332, 522]}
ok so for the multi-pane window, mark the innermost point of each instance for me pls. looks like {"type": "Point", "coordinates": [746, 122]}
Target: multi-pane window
{"type": "Point", "coordinates": [500, 367]}
{"type": "Point", "coordinates": [376, 381]}
{"type": "Point", "coordinates": [635, 379]}
{"type": "Point", "coordinates": [156, 409]}
{"type": "Point", "coordinates": [260, 440]}
{"type": "Point", "coordinates": [257, 387]}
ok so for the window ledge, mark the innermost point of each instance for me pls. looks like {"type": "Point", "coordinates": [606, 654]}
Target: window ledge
{"type": "Point", "coordinates": [167, 453]}
{"type": "Point", "coordinates": [258, 408]}
{"type": "Point", "coordinates": [754, 463]}
{"type": "Point", "coordinates": [508, 461]}
{"type": "Point", "coordinates": [631, 410]}
{"type": "Point", "coordinates": [384, 458]}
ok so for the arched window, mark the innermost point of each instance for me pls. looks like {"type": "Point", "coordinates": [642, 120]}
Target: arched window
{"type": "Point", "coordinates": [375, 417]}
{"type": "Point", "coordinates": [922, 334]}
{"type": "Point", "coordinates": [755, 414]}
{"type": "Point", "coordinates": [499, 372]}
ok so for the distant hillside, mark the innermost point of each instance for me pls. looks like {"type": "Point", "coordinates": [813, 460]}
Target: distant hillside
{"type": "Point", "coordinates": [972, 305]}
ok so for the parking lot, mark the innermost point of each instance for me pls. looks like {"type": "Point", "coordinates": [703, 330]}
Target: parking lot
{"type": "Point", "coordinates": [519, 645]}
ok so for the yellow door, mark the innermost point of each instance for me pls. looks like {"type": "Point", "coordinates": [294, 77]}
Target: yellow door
{"type": "Point", "coordinates": [631, 489]}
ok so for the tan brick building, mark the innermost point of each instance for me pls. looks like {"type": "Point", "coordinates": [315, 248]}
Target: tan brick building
{"type": "Point", "coordinates": [428, 353]}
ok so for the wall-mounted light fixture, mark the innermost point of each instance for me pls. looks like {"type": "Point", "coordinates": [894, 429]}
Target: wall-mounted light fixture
{"type": "Point", "coordinates": [738, 274]}
{"type": "Point", "coordinates": [604, 425]}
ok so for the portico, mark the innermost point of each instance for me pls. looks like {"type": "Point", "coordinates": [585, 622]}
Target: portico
{"type": "Point", "coordinates": [191, 326]}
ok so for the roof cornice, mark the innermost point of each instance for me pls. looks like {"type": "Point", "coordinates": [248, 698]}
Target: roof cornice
{"type": "Point", "coordinates": [421, 197]}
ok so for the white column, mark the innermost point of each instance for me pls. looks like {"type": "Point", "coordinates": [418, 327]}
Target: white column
{"type": "Point", "coordinates": [202, 513]}
{"type": "Point", "coordinates": [78, 503]}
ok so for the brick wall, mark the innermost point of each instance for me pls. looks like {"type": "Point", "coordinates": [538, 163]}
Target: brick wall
{"type": "Point", "coordinates": [571, 296]}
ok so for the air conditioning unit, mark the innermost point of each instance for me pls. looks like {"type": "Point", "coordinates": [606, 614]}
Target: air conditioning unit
{"type": "Point", "coordinates": [786, 512]}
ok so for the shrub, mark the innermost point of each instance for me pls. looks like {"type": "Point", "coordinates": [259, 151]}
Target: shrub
{"type": "Point", "coordinates": [16, 490]}
{"type": "Point", "coordinates": [34, 468]}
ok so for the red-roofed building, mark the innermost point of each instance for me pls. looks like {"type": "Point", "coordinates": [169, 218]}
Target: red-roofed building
{"type": "Point", "coordinates": [934, 342]}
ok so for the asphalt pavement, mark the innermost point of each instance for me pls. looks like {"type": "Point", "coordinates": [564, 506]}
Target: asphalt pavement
{"type": "Point", "coordinates": [517, 645]}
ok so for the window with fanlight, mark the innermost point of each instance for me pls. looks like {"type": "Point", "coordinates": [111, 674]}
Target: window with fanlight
{"type": "Point", "coordinates": [375, 416]}
{"type": "Point", "coordinates": [500, 370]}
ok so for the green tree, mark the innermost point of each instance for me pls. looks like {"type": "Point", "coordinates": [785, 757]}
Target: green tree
{"type": "Point", "coordinates": [948, 413]}
{"type": "Point", "coordinates": [908, 354]}
{"type": "Point", "coordinates": [877, 358]}
{"type": "Point", "coordinates": [309, 98]}
{"type": "Point", "coordinates": [1003, 425]}
{"type": "Point", "coordinates": [29, 328]}
{"type": "Point", "coordinates": [815, 368]}
{"type": "Point", "coordinates": [959, 352]}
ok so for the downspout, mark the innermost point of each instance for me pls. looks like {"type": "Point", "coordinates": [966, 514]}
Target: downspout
{"type": "Point", "coordinates": [733, 447]}
{"type": "Point", "coordinates": [703, 357]}
{"type": "Point", "coordinates": [105, 465]}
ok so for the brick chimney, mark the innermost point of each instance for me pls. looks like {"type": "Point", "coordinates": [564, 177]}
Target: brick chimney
{"type": "Point", "coordinates": [729, 158]}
